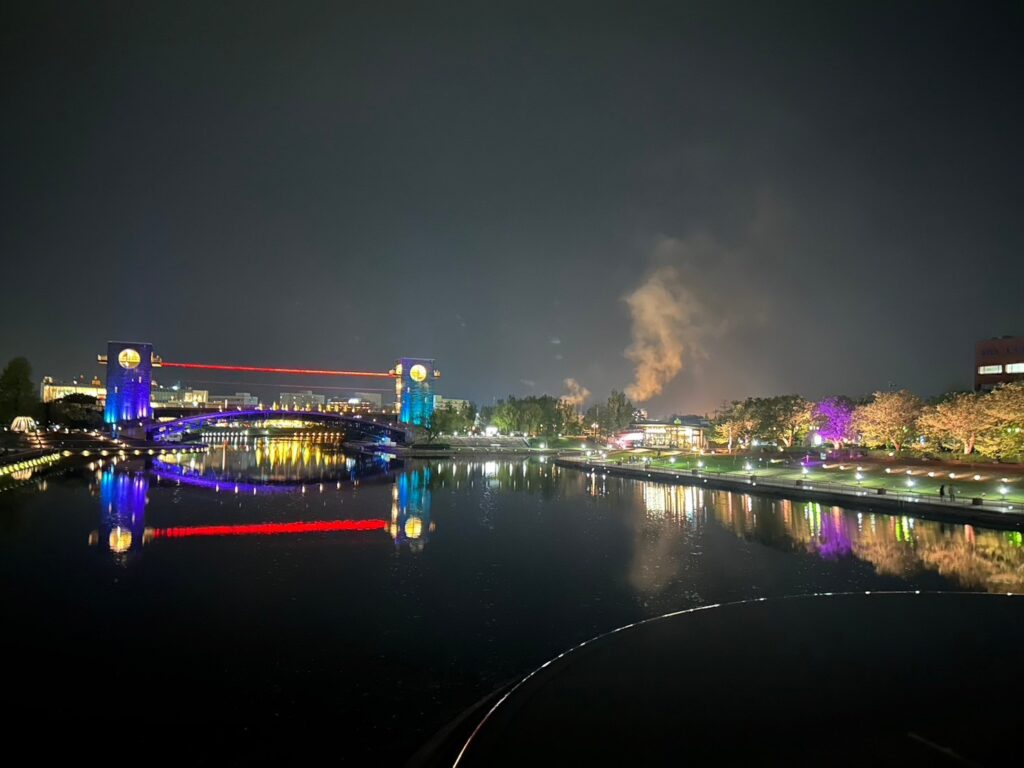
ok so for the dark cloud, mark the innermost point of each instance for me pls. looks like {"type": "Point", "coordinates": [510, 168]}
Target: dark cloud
{"type": "Point", "coordinates": [335, 186]}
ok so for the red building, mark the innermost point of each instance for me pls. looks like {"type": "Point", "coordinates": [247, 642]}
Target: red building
{"type": "Point", "coordinates": [998, 361]}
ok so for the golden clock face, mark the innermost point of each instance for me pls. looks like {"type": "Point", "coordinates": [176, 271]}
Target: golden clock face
{"type": "Point", "coordinates": [128, 358]}
{"type": "Point", "coordinates": [417, 372]}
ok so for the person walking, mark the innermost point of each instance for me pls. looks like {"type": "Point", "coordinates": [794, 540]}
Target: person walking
{"type": "Point", "coordinates": [951, 493]}
{"type": "Point", "coordinates": [942, 491]}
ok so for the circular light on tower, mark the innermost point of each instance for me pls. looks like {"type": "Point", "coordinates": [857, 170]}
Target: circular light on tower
{"type": "Point", "coordinates": [418, 373]}
{"type": "Point", "coordinates": [128, 358]}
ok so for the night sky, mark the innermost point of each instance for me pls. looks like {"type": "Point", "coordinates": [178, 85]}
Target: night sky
{"type": "Point", "coordinates": [827, 199]}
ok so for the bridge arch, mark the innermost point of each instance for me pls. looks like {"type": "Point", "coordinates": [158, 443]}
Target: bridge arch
{"type": "Point", "coordinates": [367, 428]}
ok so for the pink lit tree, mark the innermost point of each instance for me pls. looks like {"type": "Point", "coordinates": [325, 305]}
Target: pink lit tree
{"type": "Point", "coordinates": [835, 420]}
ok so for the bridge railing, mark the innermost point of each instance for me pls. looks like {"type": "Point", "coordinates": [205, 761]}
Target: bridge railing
{"type": "Point", "coordinates": [162, 430]}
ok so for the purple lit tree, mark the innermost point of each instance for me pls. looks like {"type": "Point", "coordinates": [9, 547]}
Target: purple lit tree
{"type": "Point", "coordinates": [835, 420]}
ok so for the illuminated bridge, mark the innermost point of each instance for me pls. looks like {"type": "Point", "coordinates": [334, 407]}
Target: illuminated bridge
{"type": "Point", "coordinates": [130, 381]}
{"type": "Point", "coordinates": [365, 428]}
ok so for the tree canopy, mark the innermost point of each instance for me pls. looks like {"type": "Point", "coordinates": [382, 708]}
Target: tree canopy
{"type": "Point", "coordinates": [17, 394]}
{"type": "Point", "coordinates": [890, 419]}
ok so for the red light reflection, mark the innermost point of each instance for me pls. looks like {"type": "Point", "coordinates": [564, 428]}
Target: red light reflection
{"type": "Point", "coordinates": [269, 529]}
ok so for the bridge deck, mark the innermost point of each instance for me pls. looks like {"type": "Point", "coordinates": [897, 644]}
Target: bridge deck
{"type": "Point", "coordinates": [396, 431]}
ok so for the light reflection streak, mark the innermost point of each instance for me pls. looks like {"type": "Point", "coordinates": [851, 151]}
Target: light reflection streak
{"type": "Point", "coordinates": [266, 529]}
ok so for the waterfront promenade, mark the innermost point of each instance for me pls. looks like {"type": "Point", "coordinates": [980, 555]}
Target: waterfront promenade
{"type": "Point", "coordinates": [993, 513]}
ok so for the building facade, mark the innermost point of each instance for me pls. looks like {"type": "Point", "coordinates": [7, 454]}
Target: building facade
{"type": "Point", "coordinates": [299, 401]}
{"type": "Point", "coordinates": [998, 361]}
{"type": "Point", "coordinates": [50, 391]}
{"type": "Point", "coordinates": [242, 400]}
{"type": "Point", "coordinates": [681, 434]}
{"type": "Point", "coordinates": [360, 402]}
{"type": "Point", "coordinates": [449, 402]}
{"type": "Point", "coordinates": [171, 397]}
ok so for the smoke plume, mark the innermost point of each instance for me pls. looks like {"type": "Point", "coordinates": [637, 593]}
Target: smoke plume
{"type": "Point", "coordinates": [576, 393]}
{"type": "Point", "coordinates": [667, 328]}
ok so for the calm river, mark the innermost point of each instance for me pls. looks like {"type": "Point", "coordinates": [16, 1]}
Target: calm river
{"type": "Point", "coordinates": [272, 596]}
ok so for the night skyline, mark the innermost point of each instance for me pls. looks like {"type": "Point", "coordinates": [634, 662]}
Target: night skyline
{"type": "Point", "coordinates": [828, 197]}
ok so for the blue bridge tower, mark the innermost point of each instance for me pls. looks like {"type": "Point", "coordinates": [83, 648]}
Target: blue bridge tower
{"type": "Point", "coordinates": [129, 381]}
{"type": "Point", "coordinates": [413, 376]}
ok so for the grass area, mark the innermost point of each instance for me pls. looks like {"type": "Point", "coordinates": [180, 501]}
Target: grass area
{"type": "Point", "coordinates": [986, 483]}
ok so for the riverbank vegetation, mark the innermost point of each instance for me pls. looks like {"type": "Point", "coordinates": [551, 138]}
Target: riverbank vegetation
{"type": "Point", "coordinates": [960, 424]}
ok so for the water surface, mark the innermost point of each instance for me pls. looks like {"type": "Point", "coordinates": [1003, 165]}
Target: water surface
{"type": "Point", "coordinates": [281, 595]}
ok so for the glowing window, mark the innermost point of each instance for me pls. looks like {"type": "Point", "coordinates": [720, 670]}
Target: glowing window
{"type": "Point", "coordinates": [990, 369]}
{"type": "Point", "coordinates": [1015, 368]}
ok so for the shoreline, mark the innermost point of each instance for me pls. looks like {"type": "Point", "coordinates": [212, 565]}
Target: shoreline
{"type": "Point", "coordinates": [965, 512]}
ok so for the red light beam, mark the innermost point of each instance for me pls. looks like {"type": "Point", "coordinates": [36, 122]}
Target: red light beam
{"type": "Point", "coordinates": [269, 529]}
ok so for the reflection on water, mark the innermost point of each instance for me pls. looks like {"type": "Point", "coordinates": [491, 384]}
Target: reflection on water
{"type": "Point", "coordinates": [122, 496]}
{"type": "Point", "coordinates": [289, 466]}
{"type": "Point", "coordinates": [901, 546]}
{"type": "Point", "coordinates": [410, 508]}
{"type": "Point", "coordinates": [976, 558]}
{"type": "Point", "coordinates": [319, 576]}
{"type": "Point", "coordinates": [266, 461]}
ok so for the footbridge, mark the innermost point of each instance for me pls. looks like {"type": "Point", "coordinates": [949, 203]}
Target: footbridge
{"type": "Point", "coordinates": [362, 427]}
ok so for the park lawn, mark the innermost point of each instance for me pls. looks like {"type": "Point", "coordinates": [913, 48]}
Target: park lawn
{"type": "Point", "coordinates": [990, 487]}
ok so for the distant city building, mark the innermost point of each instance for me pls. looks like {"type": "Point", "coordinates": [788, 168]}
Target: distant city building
{"type": "Point", "coordinates": [449, 402]}
{"type": "Point", "coordinates": [360, 402]}
{"type": "Point", "coordinates": [684, 433]}
{"type": "Point", "coordinates": [172, 397]}
{"type": "Point", "coordinates": [299, 401]}
{"type": "Point", "coordinates": [158, 397]}
{"type": "Point", "coordinates": [374, 400]}
{"type": "Point", "coordinates": [998, 361]}
{"type": "Point", "coordinates": [233, 402]}
{"type": "Point", "coordinates": [50, 391]}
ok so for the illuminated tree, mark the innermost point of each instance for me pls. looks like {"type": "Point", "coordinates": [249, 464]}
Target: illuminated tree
{"type": "Point", "coordinates": [727, 432]}
{"type": "Point", "coordinates": [618, 411]}
{"type": "Point", "coordinates": [567, 418]}
{"type": "Point", "coordinates": [1004, 438]}
{"type": "Point", "coordinates": [736, 423]}
{"type": "Point", "coordinates": [787, 418]}
{"type": "Point", "coordinates": [834, 417]}
{"type": "Point", "coordinates": [889, 419]}
{"type": "Point", "coordinates": [538, 415]}
{"type": "Point", "coordinates": [452, 418]}
{"type": "Point", "coordinates": [505, 415]}
{"type": "Point", "coordinates": [956, 422]}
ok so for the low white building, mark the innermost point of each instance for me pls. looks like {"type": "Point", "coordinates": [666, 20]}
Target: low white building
{"type": "Point", "coordinates": [299, 401]}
